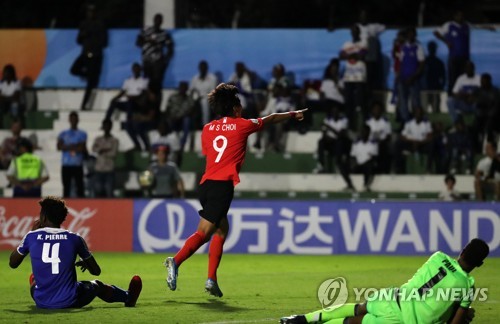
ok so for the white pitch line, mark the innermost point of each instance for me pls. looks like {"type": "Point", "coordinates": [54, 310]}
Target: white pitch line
{"type": "Point", "coordinates": [247, 321]}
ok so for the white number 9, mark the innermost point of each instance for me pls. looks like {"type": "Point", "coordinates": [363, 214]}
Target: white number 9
{"type": "Point", "coordinates": [219, 149]}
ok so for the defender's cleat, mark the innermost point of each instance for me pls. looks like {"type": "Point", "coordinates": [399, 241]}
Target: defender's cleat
{"type": "Point", "coordinates": [171, 273]}
{"type": "Point", "coordinates": [293, 319]}
{"type": "Point", "coordinates": [134, 290]}
{"type": "Point", "coordinates": [212, 288]}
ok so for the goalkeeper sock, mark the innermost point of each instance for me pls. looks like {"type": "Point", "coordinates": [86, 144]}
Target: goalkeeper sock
{"type": "Point", "coordinates": [214, 256]}
{"type": "Point", "coordinates": [193, 243]}
{"type": "Point", "coordinates": [322, 316]}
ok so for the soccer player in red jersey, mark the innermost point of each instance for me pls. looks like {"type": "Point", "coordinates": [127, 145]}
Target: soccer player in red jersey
{"type": "Point", "coordinates": [224, 143]}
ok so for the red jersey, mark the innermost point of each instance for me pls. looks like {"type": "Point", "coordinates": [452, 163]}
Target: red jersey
{"type": "Point", "coordinates": [224, 144]}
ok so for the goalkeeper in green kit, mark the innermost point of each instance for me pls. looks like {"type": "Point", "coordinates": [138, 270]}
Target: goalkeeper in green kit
{"type": "Point", "coordinates": [441, 291]}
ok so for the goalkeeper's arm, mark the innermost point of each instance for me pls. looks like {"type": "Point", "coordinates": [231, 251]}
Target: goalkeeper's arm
{"type": "Point", "coordinates": [463, 316]}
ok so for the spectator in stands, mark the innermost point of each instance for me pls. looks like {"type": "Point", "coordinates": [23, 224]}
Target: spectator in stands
{"type": "Point", "coordinates": [93, 37]}
{"type": "Point", "coordinates": [397, 45]}
{"type": "Point", "coordinates": [243, 79]}
{"type": "Point", "coordinates": [364, 153]}
{"type": "Point", "coordinates": [335, 142]}
{"type": "Point", "coordinates": [142, 122]}
{"type": "Point", "coordinates": [415, 138]}
{"type": "Point", "coordinates": [279, 77]}
{"type": "Point", "coordinates": [133, 96]}
{"type": "Point", "coordinates": [354, 76]}
{"type": "Point", "coordinates": [10, 94]}
{"type": "Point", "coordinates": [369, 33]}
{"type": "Point", "coordinates": [412, 66]}
{"type": "Point", "coordinates": [437, 159]}
{"type": "Point", "coordinates": [462, 98]}
{"type": "Point", "coordinates": [106, 148]}
{"type": "Point", "coordinates": [380, 133]}
{"type": "Point", "coordinates": [179, 112]}
{"type": "Point", "coordinates": [460, 147]}
{"type": "Point", "coordinates": [280, 102]}
{"type": "Point", "coordinates": [168, 182]}
{"type": "Point", "coordinates": [157, 50]}
{"type": "Point", "coordinates": [435, 76]}
{"type": "Point", "coordinates": [73, 144]}
{"type": "Point", "coordinates": [449, 193]}
{"type": "Point", "coordinates": [486, 179]}
{"type": "Point", "coordinates": [456, 35]}
{"type": "Point", "coordinates": [27, 172]}
{"type": "Point", "coordinates": [164, 136]}
{"type": "Point", "coordinates": [10, 144]}
{"type": "Point", "coordinates": [331, 89]}
{"type": "Point", "coordinates": [487, 99]}
{"type": "Point", "coordinates": [201, 84]}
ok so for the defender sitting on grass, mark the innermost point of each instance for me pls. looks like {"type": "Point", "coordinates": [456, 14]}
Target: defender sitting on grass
{"type": "Point", "coordinates": [53, 253]}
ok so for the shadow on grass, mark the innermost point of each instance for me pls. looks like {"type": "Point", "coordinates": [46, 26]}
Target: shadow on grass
{"type": "Point", "coordinates": [32, 309]}
{"type": "Point", "coordinates": [216, 305]}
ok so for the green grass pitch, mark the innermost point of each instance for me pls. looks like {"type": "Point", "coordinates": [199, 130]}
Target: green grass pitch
{"type": "Point", "coordinates": [257, 288]}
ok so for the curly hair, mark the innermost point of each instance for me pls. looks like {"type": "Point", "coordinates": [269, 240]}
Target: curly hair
{"type": "Point", "coordinates": [223, 99]}
{"type": "Point", "coordinates": [54, 208]}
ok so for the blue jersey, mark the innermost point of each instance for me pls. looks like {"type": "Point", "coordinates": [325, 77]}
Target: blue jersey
{"type": "Point", "coordinates": [53, 254]}
{"type": "Point", "coordinates": [70, 137]}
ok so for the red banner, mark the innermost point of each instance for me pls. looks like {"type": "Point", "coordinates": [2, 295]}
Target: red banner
{"type": "Point", "coordinates": [106, 225]}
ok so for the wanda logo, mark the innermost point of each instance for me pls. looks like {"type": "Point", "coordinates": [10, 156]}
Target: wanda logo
{"type": "Point", "coordinates": [14, 227]}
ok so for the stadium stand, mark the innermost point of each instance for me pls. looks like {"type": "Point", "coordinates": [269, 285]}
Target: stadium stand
{"type": "Point", "coordinates": [266, 174]}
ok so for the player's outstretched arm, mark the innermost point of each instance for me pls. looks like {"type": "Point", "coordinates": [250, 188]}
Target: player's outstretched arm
{"type": "Point", "coordinates": [280, 117]}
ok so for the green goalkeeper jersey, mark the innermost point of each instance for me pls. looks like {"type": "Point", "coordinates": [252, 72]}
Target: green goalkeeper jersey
{"type": "Point", "coordinates": [435, 291]}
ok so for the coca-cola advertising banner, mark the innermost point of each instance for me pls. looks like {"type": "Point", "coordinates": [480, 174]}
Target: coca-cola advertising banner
{"type": "Point", "coordinates": [106, 225]}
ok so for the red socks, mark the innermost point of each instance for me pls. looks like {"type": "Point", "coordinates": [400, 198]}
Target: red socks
{"type": "Point", "coordinates": [192, 244]}
{"type": "Point", "coordinates": [214, 256]}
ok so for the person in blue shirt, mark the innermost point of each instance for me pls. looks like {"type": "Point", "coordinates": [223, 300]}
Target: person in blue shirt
{"type": "Point", "coordinates": [411, 68]}
{"type": "Point", "coordinates": [73, 144]}
{"type": "Point", "coordinates": [53, 252]}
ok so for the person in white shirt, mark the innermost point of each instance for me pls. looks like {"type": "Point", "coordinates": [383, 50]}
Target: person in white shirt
{"type": "Point", "coordinates": [10, 93]}
{"type": "Point", "coordinates": [380, 133]}
{"type": "Point", "coordinates": [277, 134]}
{"type": "Point", "coordinates": [199, 87]}
{"type": "Point", "coordinates": [364, 153]}
{"type": "Point", "coordinates": [486, 180]}
{"type": "Point", "coordinates": [353, 52]}
{"type": "Point", "coordinates": [462, 97]}
{"type": "Point", "coordinates": [334, 141]}
{"type": "Point", "coordinates": [415, 138]}
{"type": "Point", "coordinates": [331, 86]}
{"type": "Point", "coordinates": [449, 193]}
{"type": "Point", "coordinates": [369, 33]}
{"type": "Point", "coordinates": [133, 95]}
{"type": "Point", "coordinates": [164, 136]}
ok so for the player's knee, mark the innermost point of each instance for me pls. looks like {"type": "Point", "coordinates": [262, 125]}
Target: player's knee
{"type": "Point", "coordinates": [97, 285]}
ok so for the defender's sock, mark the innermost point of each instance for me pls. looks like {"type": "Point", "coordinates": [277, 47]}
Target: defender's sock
{"type": "Point", "coordinates": [214, 256]}
{"type": "Point", "coordinates": [111, 294]}
{"type": "Point", "coordinates": [193, 243]}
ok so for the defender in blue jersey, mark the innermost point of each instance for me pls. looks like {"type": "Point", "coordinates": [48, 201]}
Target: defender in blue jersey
{"type": "Point", "coordinates": [53, 252]}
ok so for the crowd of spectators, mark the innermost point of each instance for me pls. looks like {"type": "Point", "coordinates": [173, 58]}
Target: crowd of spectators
{"type": "Point", "coordinates": [357, 134]}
